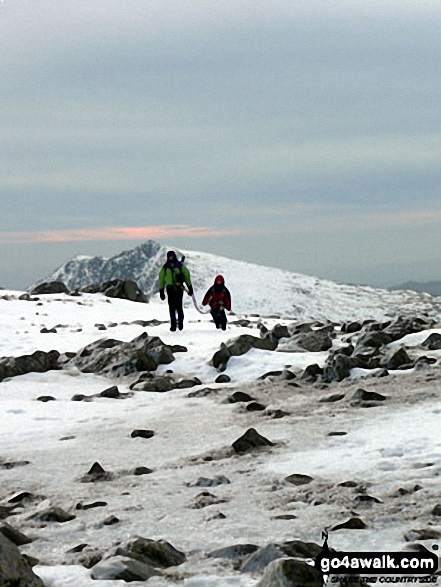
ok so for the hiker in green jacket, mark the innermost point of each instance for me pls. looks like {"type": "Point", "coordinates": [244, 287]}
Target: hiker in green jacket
{"type": "Point", "coordinates": [172, 277]}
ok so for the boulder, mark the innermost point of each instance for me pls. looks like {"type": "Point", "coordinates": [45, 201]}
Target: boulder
{"type": "Point", "coordinates": [315, 341]}
{"type": "Point", "coordinates": [117, 358]}
{"type": "Point", "coordinates": [123, 568]}
{"type": "Point", "coordinates": [337, 368]}
{"type": "Point", "coordinates": [395, 359]}
{"type": "Point", "coordinates": [259, 560]}
{"type": "Point", "coordinates": [251, 440]}
{"type": "Point", "coordinates": [162, 383]}
{"type": "Point", "coordinates": [118, 288]}
{"type": "Point", "coordinates": [241, 345]}
{"type": "Point", "coordinates": [155, 553]}
{"type": "Point", "coordinates": [15, 570]}
{"type": "Point", "coordinates": [37, 362]}
{"type": "Point", "coordinates": [49, 287]}
{"type": "Point", "coordinates": [433, 342]}
{"type": "Point", "coordinates": [290, 573]}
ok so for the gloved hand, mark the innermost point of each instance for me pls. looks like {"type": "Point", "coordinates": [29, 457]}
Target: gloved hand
{"type": "Point", "coordinates": [162, 294]}
{"type": "Point", "coordinates": [190, 290]}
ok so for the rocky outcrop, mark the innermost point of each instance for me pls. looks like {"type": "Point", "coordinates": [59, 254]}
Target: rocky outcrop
{"type": "Point", "coordinates": [116, 358]}
{"type": "Point", "coordinates": [50, 287]}
{"type": "Point", "coordinates": [240, 346]}
{"type": "Point", "coordinates": [124, 289]}
{"type": "Point", "coordinates": [15, 570]}
{"type": "Point", "coordinates": [38, 362]}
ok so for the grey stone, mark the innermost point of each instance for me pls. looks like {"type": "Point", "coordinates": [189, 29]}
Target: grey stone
{"type": "Point", "coordinates": [240, 396]}
{"type": "Point", "coordinates": [205, 482]}
{"type": "Point", "coordinates": [125, 289]}
{"type": "Point", "coordinates": [37, 362]}
{"type": "Point", "coordinates": [255, 407]}
{"type": "Point", "coordinates": [351, 524]}
{"type": "Point", "coordinates": [110, 392]}
{"type": "Point", "coordinates": [52, 514]}
{"type": "Point", "coordinates": [298, 479]}
{"type": "Point", "coordinates": [15, 536]}
{"type": "Point", "coordinates": [336, 397]}
{"type": "Point", "coordinates": [251, 440]}
{"type": "Point", "coordinates": [222, 379]}
{"type": "Point", "coordinates": [237, 551]}
{"type": "Point", "coordinates": [367, 396]}
{"type": "Point", "coordinates": [123, 568]}
{"type": "Point", "coordinates": [51, 287]}
{"type": "Point", "coordinates": [142, 434]}
{"type": "Point", "coordinates": [15, 570]}
{"type": "Point", "coordinates": [300, 549]}
{"type": "Point", "coordinates": [96, 473]}
{"type": "Point", "coordinates": [259, 560]}
{"type": "Point", "coordinates": [315, 341]}
{"type": "Point", "coordinates": [290, 573]}
{"type": "Point", "coordinates": [155, 553]}
{"type": "Point", "coordinates": [395, 358]}
{"type": "Point", "coordinates": [433, 342]}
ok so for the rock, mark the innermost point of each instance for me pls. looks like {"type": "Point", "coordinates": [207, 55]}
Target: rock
{"type": "Point", "coordinates": [52, 514]}
{"type": "Point", "coordinates": [336, 397]}
{"type": "Point", "coordinates": [437, 510]}
{"type": "Point", "coordinates": [124, 289]}
{"type": "Point", "coordinates": [142, 434]}
{"type": "Point", "coordinates": [315, 341]}
{"type": "Point", "coordinates": [395, 358]}
{"type": "Point", "coordinates": [270, 374]}
{"type": "Point", "coordinates": [237, 551]}
{"type": "Point", "coordinates": [96, 473]}
{"type": "Point", "coordinates": [251, 440]}
{"type": "Point", "coordinates": [48, 331]}
{"type": "Point", "coordinates": [21, 497]}
{"type": "Point", "coordinates": [206, 499]}
{"type": "Point", "coordinates": [259, 560]}
{"type": "Point", "coordinates": [110, 521]}
{"type": "Point", "coordinates": [351, 327]}
{"type": "Point", "coordinates": [117, 358]}
{"type": "Point", "coordinates": [50, 287]}
{"type": "Point", "coordinates": [433, 342]}
{"type": "Point", "coordinates": [311, 373]}
{"type": "Point", "coordinates": [404, 325]}
{"type": "Point", "coordinates": [163, 383]}
{"type": "Point", "coordinates": [38, 362]}
{"type": "Point", "coordinates": [204, 482]}
{"type": "Point", "coordinates": [298, 479]}
{"type": "Point", "coordinates": [239, 396]}
{"type": "Point", "coordinates": [45, 398]}
{"type": "Point", "coordinates": [89, 506]}
{"type": "Point", "coordinates": [155, 553]}
{"type": "Point", "coordinates": [15, 536]}
{"type": "Point", "coordinates": [255, 407]}
{"type": "Point", "coordinates": [280, 331]}
{"type": "Point", "coordinates": [89, 558]}
{"type": "Point", "coordinates": [123, 568]}
{"type": "Point", "coordinates": [374, 339]}
{"type": "Point", "coordinates": [337, 433]}
{"type": "Point", "coordinates": [240, 346]}
{"type": "Point", "coordinates": [337, 368]}
{"type": "Point", "coordinates": [202, 392]}
{"type": "Point", "coordinates": [368, 396]}
{"type": "Point", "coordinates": [15, 570]}
{"type": "Point", "coordinates": [276, 414]}
{"type": "Point", "coordinates": [14, 464]}
{"type": "Point", "coordinates": [110, 392]}
{"type": "Point", "coordinates": [423, 534]}
{"type": "Point", "coordinates": [142, 471]}
{"type": "Point", "coordinates": [222, 379]}
{"type": "Point", "coordinates": [351, 524]}
{"type": "Point", "coordinates": [300, 549]}
{"type": "Point", "coordinates": [290, 573]}
{"type": "Point", "coordinates": [79, 397]}
{"type": "Point", "coordinates": [284, 517]}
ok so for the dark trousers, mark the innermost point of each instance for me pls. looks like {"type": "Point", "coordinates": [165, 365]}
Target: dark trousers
{"type": "Point", "coordinates": [174, 295]}
{"type": "Point", "coordinates": [220, 318]}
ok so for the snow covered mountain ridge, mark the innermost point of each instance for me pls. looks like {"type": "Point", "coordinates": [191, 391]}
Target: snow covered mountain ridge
{"type": "Point", "coordinates": [254, 288]}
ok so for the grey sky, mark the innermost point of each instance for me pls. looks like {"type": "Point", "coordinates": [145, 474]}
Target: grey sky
{"type": "Point", "coordinates": [312, 128]}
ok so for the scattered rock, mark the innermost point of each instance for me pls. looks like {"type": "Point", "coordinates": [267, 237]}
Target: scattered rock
{"type": "Point", "coordinates": [395, 359]}
{"type": "Point", "coordinates": [368, 396]}
{"type": "Point", "coordinates": [110, 521]}
{"type": "Point", "coordinates": [123, 568]}
{"type": "Point", "coordinates": [290, 573]}
{"type": "Point", "coordinates": [222, 378]}
{"type": "Point", "coordinates": [52, 514]}
{"type": "Point", "coordinates": [38, 362]}
{"type": "Point", "coordinates": [89, 506]}
{"type": "Point", "coordinates": [14, 464]}
{"type": "Point", "coordinates": [437, 510]}
{"type": "Point", "coordinates": [311, 373]}
{"type": "Point", "coordinates": [110, 392]}
{"type": "Point", "coordinates": [45, 398]}
{"type": "Point", "coordinates": [49, 287]}
{"type": "Point", "coordinates": [259, 560]}
{"type": "Point", "coordinates": [96, 473]}
{"type": "Point", "coordinates": [315, 341]}
{"type": "Point", "coordinates": [336, 397]}
{"type": "Point", "coordinates": [300, 549]}
{"type": "Point", "coordinates": [163, 383]}
{"type": "Point", "coordinates": [250, 441]}
{"type": "Point", "coordinates": [240, 346]}
{"type": "Point", "coordinates": [255, 407]}
{"type": "Point", "coordinates": [239, 396]}
{"type": "Point", "coordinates": [142, 471]}
{"type": "Point", "coordinates": [15, 570]}
{"type": "Point", "coordinates": [351, 524]}
{"type": "Point", "coordinates": [298, 479]}
{"type": "Point", "coordinates": [204, 482]}
{"type": "Point", "coordinates": [124, 289]}
{"type": "Point", "coordinates": [155, 553]}
{"type": "Point", "coordinates": [15, 536]}
{"type": "Point", "coordinates": [234, 552]}
{"type": "Point", "coordinates": [202, 392]}
{"type": "Point", "coordinates": [142, 434]}
{"type": "Point", "coordinates": [423, 534]}
{"type": "Point", "coordinates": [206, 499]}
{"type": "Point", "coordinates": [48, 331]}
{"type": "Point", "coordinates": [276, 414]}
{"type": "Point", "coordinates": [337, 433]}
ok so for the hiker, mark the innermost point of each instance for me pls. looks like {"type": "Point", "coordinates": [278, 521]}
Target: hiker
{"type": "Point", "coordinates": [172, 277]}
{"type": "Point", "coordinates": [219, 299]}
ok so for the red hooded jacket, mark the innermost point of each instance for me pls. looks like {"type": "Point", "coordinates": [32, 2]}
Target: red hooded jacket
{"type": "Point", "coordinates": [218, 297]}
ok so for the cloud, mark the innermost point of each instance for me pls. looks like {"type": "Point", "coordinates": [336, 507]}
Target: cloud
{"type": "Point", "coordinates": [110, 233]}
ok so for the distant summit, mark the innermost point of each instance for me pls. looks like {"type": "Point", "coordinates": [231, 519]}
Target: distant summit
{"type": "Point", "coordinates": [255, 289]}
{"type": "Point", "coordinates": [431, 287]}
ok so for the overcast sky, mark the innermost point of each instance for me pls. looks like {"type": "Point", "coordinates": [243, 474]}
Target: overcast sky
{"type": "Point", "coordinates": [301, 134]}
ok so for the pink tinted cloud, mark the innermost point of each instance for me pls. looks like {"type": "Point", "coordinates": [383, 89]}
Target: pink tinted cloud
{"type": "Point", "coordinates": [114, 233]}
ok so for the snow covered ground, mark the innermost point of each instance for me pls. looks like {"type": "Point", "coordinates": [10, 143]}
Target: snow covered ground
{"type": "Point", "coordinates": [386, 448]}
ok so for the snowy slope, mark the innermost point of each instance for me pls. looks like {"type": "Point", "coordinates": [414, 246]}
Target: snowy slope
{"type": "Point", "coordinates": [254, 288]}
{"type": "Point", "coordinates": [399, 443]}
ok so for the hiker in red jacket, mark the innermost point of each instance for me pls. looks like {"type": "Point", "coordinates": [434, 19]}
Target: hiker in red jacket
{"type": "Point", "coordinates": [219, 299]}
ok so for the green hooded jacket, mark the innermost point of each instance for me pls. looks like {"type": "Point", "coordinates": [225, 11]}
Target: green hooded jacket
{"type": "Point", "coordinates": [174, 276]}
